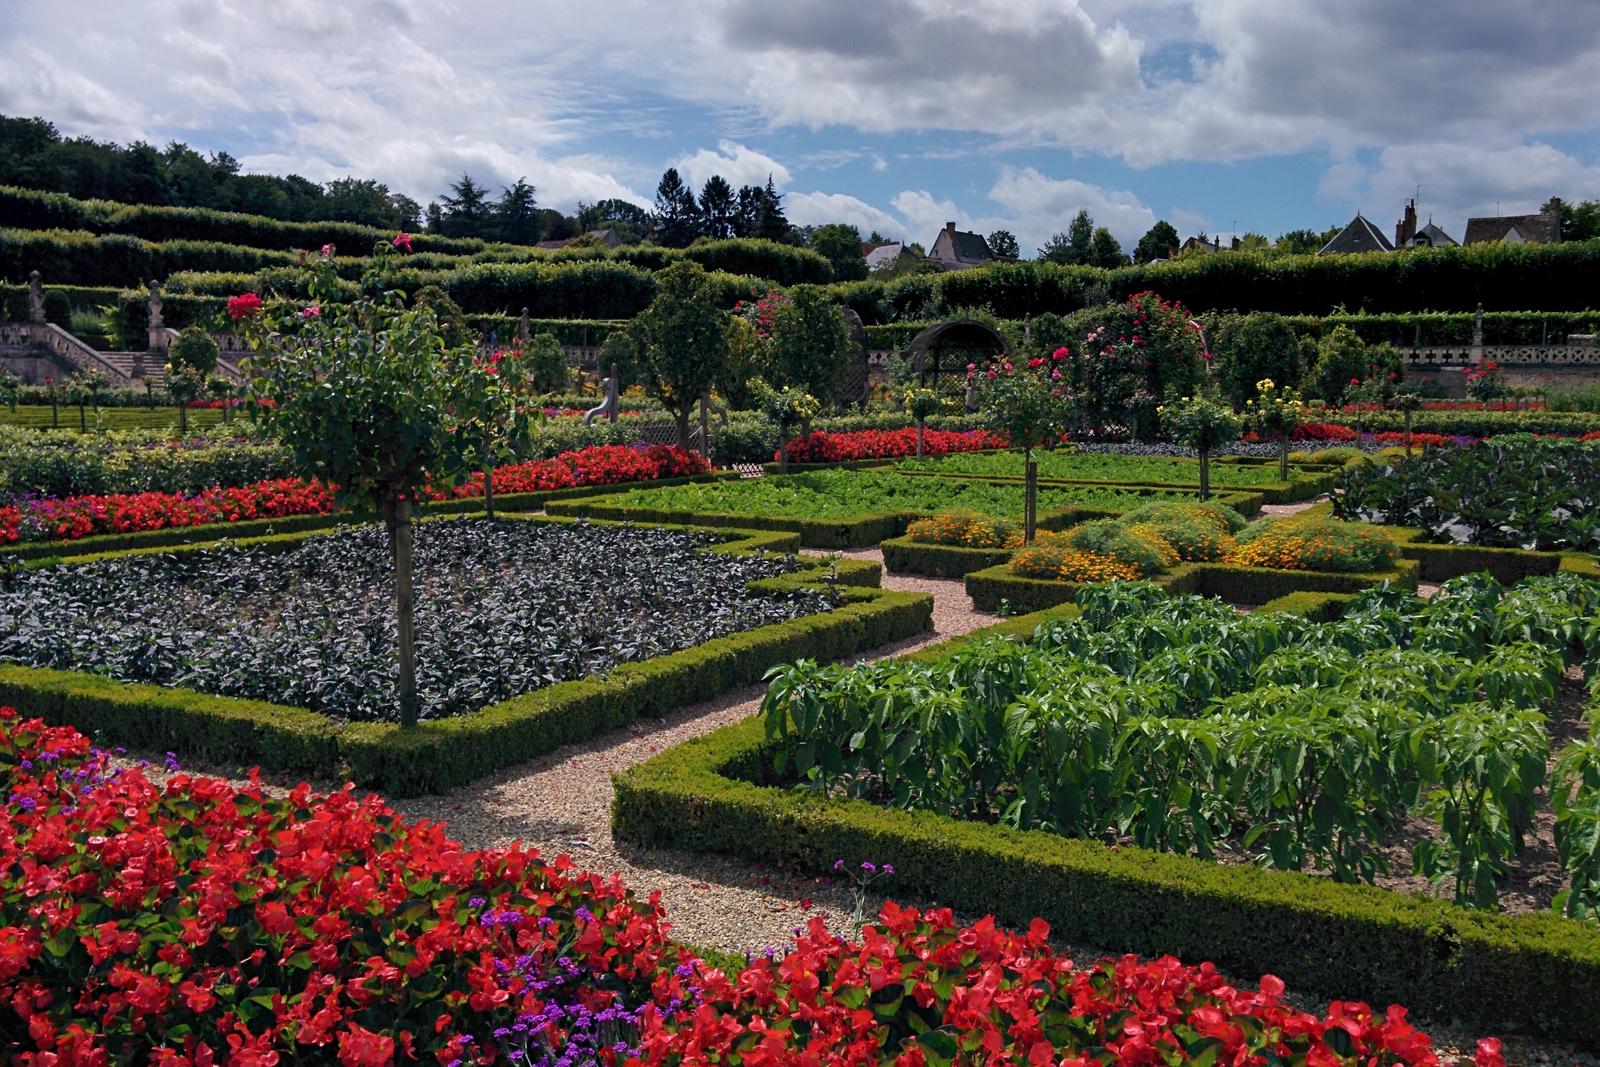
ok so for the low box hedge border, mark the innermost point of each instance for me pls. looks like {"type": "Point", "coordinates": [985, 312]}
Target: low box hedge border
{"type": "Point", "coordinates": [441, 754]}
{"type": "Point", "coordinates": [1289, 492]}
{"type": "Point", "coordinates": [856, 531]}
{"type": "Point", "coordinates": [1235, 584]}
{"type": "Point", "coordinates": [1538, 972]}
{"type": "Point", "coordinates": [251, 528]}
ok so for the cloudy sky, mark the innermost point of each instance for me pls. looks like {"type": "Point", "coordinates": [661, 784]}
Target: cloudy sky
{"type": "Point", "coordinates": [897, 115]}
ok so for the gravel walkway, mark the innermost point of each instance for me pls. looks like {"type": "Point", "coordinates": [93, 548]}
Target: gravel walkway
{"type": "Point", "coordinates": [562, 803]}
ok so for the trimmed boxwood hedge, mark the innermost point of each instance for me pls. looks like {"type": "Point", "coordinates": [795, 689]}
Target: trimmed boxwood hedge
{"type": "Point", "coordinates": [1237, 585]}
{"type": "Point", "coordinates": [856, 531]}
{"type": "Point", "coordinates": [442, 754]}
{"type": "Point", "coordinates": [1539, 972]}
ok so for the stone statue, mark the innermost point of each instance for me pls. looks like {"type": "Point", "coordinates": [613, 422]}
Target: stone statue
{"type": "Point", "coordinates": [155, 304]}
{"type": "Point", "coordinates": [35, 298]}
{"type": "Point", "coordinates": [608, 407]}
{"type": "Point", "coordinates": [524, 328]}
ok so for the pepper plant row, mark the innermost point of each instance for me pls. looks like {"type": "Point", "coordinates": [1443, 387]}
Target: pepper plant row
{"type": "Point", "coordinates": [1180, 725]}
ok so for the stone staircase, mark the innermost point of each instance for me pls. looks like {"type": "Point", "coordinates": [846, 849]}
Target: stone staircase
{"type": "Point", "coordinates": [150, 367]}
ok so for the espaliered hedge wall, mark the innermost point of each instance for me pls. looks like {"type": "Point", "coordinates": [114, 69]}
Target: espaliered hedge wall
{"type": "Point", "coordinates": [1540, 971]}
{"type": "Point", "coordinates": [441, 754]}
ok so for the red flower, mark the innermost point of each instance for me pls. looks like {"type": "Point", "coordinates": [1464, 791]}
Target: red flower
{"type": "Point", "coordinates": [402, 240]}
{"type": "Point", "coordinates": [311, 312]}
{"type": "Point", "coordinates": [244, 306]}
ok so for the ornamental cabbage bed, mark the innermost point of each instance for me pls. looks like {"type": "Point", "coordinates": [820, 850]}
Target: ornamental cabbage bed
{"type": "Point", "coordinates": [503, 608]}
{"type": "Point", "coordinates": [1513, 492]}
{"type": "Point", "coordinates": [1101, 467]}
{"type": "Point", "coordinates": [1180, 725]}
{"type": "Point", "coordinates": [193, 923]}
{"type": "Point", "coordinates": [838, 494]}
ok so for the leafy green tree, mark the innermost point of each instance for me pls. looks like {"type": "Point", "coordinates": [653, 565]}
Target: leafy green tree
{"type": "Point", "coordinates": [195, 349]}
{"type": "Point", "coordinates": [1159, 242]}
{"type": "Point", "coordinates": [1246, 349]}
{"type": "Point", "coordinates": [516, 214]}
{"type": "Point", "coordinates": [356, 200]}
{"type": "Point", "coordinates": [683, 341]}
{"type": "Point", "coordinates": [488, 408]}
{"type": "Point", "coordinates": [184, 385]}
{"type": "Point", "coordinates": [546, 363]}
{"type": "Point", "coordinates": [447, 314]}
{"type": "Point", "coordinates": [630, 220]}
{"type": "Point", "coordinates": [810, 342]}
{"type": "Point", "coordinates": [677, 215]}
{"type": "Point", "coordinates": [1579, 221]}
{"type": "Point", "coordinates": [718, 209]}
{"type": "Point", "coordinates": [1058, 249]}
{"type": "Point", "coordinates": [1032, 405]}
{"type": "Point", "coordinates": [840, 243]}
{"type": "Point", "coordinates": [620, 349]}
{"type": "Point", "coordinates": [363, 395]}
{"type": "Point", "coordinates": [1205, 424]}
{"type": "Point", "coordinates": [1304, 242]}
{"type": "Point", "coordinates": [1105, 251]}
{"type": "Point", "coordinates": [787, 408]}
{"type": "Point", "coordinates": [1342, 362]}
{"type": "Point", "coordinates": [1003, 244]}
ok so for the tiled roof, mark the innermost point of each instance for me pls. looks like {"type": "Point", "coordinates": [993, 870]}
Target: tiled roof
{"type": "Point", "coordinates": [1359, 235]}
{"type": "Point", "coordinates": [1543, 228]}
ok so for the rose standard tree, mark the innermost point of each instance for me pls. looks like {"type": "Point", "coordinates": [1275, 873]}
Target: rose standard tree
{"type": "Point", "coordinates": [788, 408]}
{"type": "Point", "coordinates": [362, 393]}
{"type": "Point", "coordinates": [1275, 413]}
{"type": "Point", "coordinates": [1205, 424]}
{"type": "Point", "coordinates": [1032, 405]}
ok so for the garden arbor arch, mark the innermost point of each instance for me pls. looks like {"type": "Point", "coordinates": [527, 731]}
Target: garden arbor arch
{"type": "Point", "coordinates": [944, 350]}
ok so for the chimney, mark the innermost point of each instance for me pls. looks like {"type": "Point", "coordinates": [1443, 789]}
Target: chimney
{"type": "Point", "coordinates": [1406, 229]}
{"type": "Point", "coordinates": [1216, 243]}
{"type": "Point", "coordinates": [1234, 244]}
{"type": "Point", "coordinates": [950, 228]}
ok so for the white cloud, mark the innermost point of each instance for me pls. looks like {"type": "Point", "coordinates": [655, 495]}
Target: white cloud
{"type": "Point", "coordinates": [1040, 206]}
{"type": "Point", "coordinates": [737, 163]}
{"type": "Point", "coordinates": [816, 209]}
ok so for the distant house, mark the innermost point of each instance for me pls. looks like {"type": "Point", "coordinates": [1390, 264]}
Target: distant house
{"type": "Point", "coordinates": [957, 249]}
{"type": "Point", "coordinates": [1541, 229]}
{"type": "Point", "coordinates": [1407, 235]}
{"type": "Point", "coordinates": [1200, 246]}
{"type": "Point", "coordinates": [882, 254]}
{"type": "Point", "coordinates": [1359, 235]}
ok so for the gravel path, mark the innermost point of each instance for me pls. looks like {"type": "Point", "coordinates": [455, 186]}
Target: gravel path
{"type": "Point", "coordinates": [562, 803]}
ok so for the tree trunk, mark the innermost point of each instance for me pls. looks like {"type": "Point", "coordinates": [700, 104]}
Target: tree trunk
{"type": "Point", "coordinates": [1408, 431]}
{"type": "Point", "coordinates": [1283, 457]}
{"type": "Point", "coordinates": [183, 418]}
{"type": "Point", "coordinates": [55, 413]}
{"type": "Point", "coordinates": [920, 424]}
{"type": "Point", "coordinates": [682, 417]}
{"type": "Point", "coordinates": [404, 607]}
{"type": "Point", "coordinates": [1205, 474]}
{"type": "Point", "coordinates": [488, 491]}
{"type": "Point", "coordinates": [1030, 491]}
{"type": "Point", "coordinates": [783, 450]}
{"type": "Point", "coordinates": [83, 419]}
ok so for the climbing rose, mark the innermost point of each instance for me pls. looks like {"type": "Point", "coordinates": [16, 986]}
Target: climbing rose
{"type": "Point", "coordinates": [243, 306]}
{"type": "Point", "coordinates": [401, 240]}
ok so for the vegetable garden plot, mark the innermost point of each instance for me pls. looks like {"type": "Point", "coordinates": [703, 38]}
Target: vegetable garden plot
{"type": "Point", "coordinates": [503, 609]}
{"type": "Point", "coordinates": [1179, 725]}
{"type": "Point", "coordinates": [1068, 465]}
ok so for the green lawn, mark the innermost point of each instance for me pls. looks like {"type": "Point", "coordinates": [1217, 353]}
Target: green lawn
{"type": "Point", "coordinates": [37, 417]}
{"type": "Point", "coordinates": [834, 494]}
{"type": "Point", "coordinates": [1100, 467]}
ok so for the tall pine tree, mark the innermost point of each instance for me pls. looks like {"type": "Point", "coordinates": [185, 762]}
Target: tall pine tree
{"type": "Point", "coordinates": [516, 215]}
{"type": "Point", "coordinates": [771, 223]}
{"type": "Point", "coordinates": [718, 210]}
{"type": "Point", "coordinates": [466, 211]}
{"type": "Point", "coordinates": [676, 213]}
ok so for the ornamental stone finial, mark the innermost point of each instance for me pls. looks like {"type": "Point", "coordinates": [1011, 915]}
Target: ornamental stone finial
{"type": "Point", "coordinates": [35, 298]}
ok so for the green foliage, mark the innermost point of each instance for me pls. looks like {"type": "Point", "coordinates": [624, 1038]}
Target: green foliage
{"type": "Point", "coordinates": [1181, 724]}
{"type": "Point", "coordinates": [1201, 422]}
{"type": "Point", "coordinates": [1247, 348]}
{"type": "Point", "coordinates": [1112, 537]}
{"type": "Point", "coordinates": [1516, 491]}
{"type": "Point", "coordinates": [1342, 362]}
{"type": "Point", "coordinates": [683, 342]}
{"type": "Point", "coordinates": [546, 363]}
{"type": "Point", "coordinates": [194, 349]}
{"type": "Point", "coordinates": [840, 245]}
{"type": "Point", "coordinates": [810, 345]}
{"type": "Point", "coordinates": [788, 408]}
